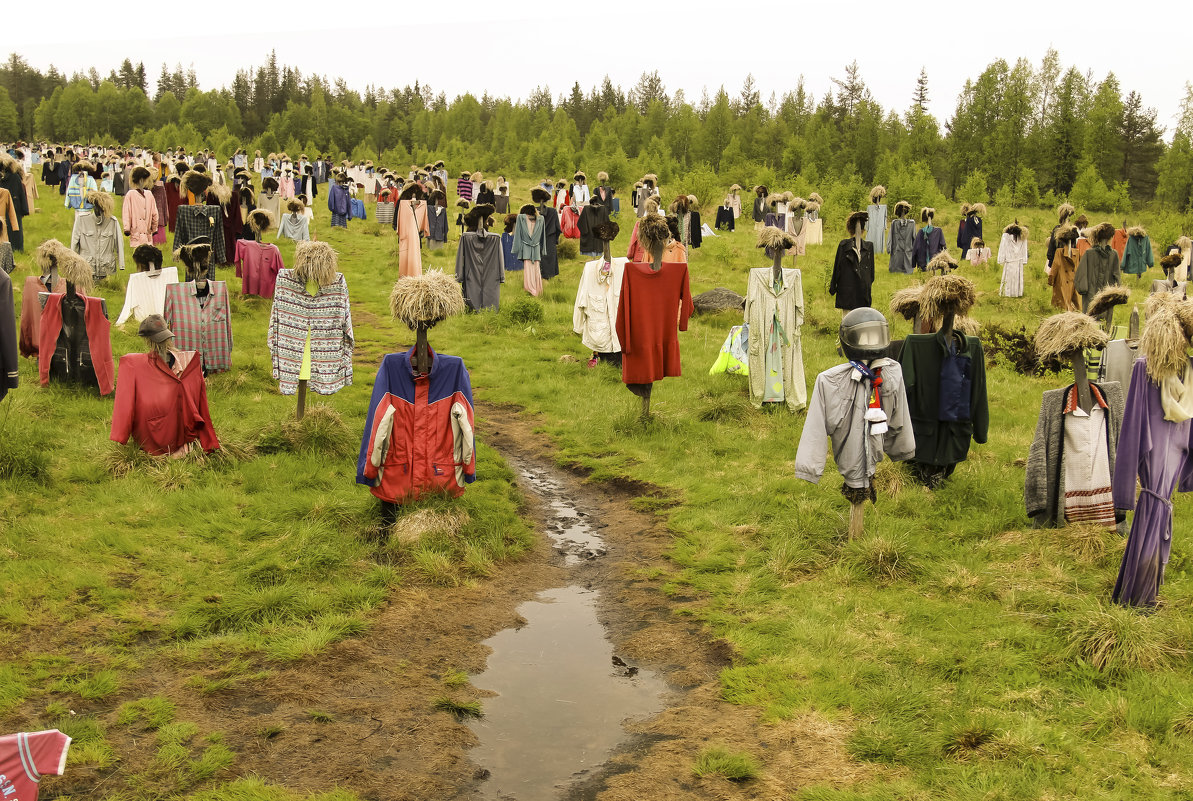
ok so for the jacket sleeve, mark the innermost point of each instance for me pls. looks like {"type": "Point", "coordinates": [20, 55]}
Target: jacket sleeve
{"type": "Point", "coordinates": [979, 405]}
{"type": "Point", "coordinates": [460, 262]}
{"type": "Point", "coordinates": [579, 310]}
{"type": "Point", "coordinates": [623, 315]}
{"type": "Point", "coordinates": [379, 407]}
{"type": "Point", "coordinates": [119, 247]}
{"type": "Point", "coordinates": [126, 396]}
{"type": "Point", "coordinates": [126, 217]}
{"type": "Point", "coordinates": [463, 442]}
{"type": "Point", "coordinates": [696, 236]}
{"type": "Point", "coordinates": [686, 306]}
{"type": "Point", "coordinates": [899, 442]}
{"type": "Point", "coordinates": [349, 337]}
{"type": "Point", "coordinates": [1051, 246]}
{"type": "Point", "coordinates": [1134, 439]}
{"type": "Point", "coordinates": [1081, 279]}
{"type": "Point", "coordinates": [813, 440]}
{"type": "Point", "coordinates": [1148, 258]}
{"type": "Point", "coordinates": [1035, 485]}
{"type": "Point", "coordinates": [9, 371]}
{"type": "Point", "coordinates": [127, 311]}
{"type": "Point", "coordinates": [832, 284]}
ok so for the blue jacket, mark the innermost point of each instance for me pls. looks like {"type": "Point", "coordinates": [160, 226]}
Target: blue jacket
{"type": "Point", "coordinates": [337, 200]}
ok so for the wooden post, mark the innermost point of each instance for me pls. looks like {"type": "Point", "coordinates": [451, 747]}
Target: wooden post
{"type": "Point", "coordinates": [777, 268]}
{"type": "Point", "coordinates": [1133, 326]}
{"type": "Point", "coordinates": [946, 326]}
{"type": "Point", "coordinates": [857, 515]}
{"type": "Point", "coordinates": [302, 399]}
{"type": "Point", "coordinates": [422, 356]}
{"type": "Point", "coordinates": [608, 248]}
{"type": "Point", "coordinates": [1081, 378]}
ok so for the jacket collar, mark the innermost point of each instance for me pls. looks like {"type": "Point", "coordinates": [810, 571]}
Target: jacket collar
{"type": "Point", "coordinates": [408, 361]}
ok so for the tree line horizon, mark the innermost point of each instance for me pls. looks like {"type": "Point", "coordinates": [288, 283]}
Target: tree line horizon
{"type": "Point", "coordinates": [1026, 133]}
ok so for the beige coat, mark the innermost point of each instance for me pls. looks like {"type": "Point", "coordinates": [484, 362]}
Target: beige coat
{"type": "Point", "coordinates": [761, 306]}
{"type": "Point", "coordinates": [8, 213]}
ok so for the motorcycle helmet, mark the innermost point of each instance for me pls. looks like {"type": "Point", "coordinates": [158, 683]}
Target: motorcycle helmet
{"type": "Point", "coordinates": [864, 334]}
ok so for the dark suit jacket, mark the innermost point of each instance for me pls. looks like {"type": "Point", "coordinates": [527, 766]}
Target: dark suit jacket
{"type": "Point", "coordinates": [852, 277]}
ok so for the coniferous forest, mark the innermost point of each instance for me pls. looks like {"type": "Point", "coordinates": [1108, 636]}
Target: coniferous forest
{"type": "Point", "coordinates": [1019, 134]}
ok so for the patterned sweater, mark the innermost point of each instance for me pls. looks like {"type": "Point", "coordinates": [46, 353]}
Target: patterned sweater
{"type": "Point", "coordinates": [327, 317]}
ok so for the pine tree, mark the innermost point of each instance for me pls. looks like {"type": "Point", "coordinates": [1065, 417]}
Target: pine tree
{"type": "Point", "coordinates": [920, 97]}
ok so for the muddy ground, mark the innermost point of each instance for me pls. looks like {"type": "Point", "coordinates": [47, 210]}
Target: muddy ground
{"type": "Point", "coordinates": [378, 734]}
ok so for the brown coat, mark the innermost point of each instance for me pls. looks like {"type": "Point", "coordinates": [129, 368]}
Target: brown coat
{"type": "Point", "coordinates": [1062, 279]}
{"type": "Point", "coordinates": [8, 213]}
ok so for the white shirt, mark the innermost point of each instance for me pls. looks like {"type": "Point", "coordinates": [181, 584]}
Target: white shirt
{"type": "Point", "coordinates": [146, 294]}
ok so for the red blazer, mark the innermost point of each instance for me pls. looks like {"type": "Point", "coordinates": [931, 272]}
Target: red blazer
{"type": "Point", "coordinates": [99, 340]}
{"type": "Point", "coordinates": [162, 411]}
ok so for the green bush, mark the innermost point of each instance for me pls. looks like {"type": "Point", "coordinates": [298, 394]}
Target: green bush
{"type": "Point", "coordinates": [524, 311]}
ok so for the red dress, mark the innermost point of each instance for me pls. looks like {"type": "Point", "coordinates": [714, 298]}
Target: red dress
{"type": "Point", "coordinates": [646, 320]}
{"type": "Point", "coordinates": [160, 409]}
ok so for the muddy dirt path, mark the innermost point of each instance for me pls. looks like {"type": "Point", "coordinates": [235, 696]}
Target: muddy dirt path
{"type": "Point", "coordinates": [362, 716]}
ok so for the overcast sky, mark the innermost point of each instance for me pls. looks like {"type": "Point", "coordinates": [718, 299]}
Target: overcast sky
{"type": "Point", "coordinates": [468, 46]}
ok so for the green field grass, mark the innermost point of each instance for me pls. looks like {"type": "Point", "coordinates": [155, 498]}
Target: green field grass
{"type": "Point", "coordinates": [975, 656]}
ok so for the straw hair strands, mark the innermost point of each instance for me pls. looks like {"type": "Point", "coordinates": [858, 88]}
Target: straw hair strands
{"type": "Point", "coordinates": [315, 261]}
{"type": "Point", "coordinates": [425, 300]}
{"type": "Point", "coordinates": [1067, 333]}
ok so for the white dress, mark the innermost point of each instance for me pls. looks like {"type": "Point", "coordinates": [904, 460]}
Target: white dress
{"type": "Point", "coordinates": [1012, 255]}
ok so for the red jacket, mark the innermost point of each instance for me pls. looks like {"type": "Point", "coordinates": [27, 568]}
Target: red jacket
{"type": "Point", "coordinates": [418, 435]}
{"type": "Point", "coordinates": [650, 306]}
{"type": "Point", "coordinates": [99, 339]}
{"type": "Point", "coordinates": [162, 410]}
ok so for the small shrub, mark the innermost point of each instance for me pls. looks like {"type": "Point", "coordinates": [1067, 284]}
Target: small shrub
{"type": "Point", "coordinates": [462, 710]}
{"type": "Point", "coordinates": [736, 766]}
{"type": "Point", "coordinates": [321, 430]}
{"type": "Point", "coordinates": [968, 739]}
{"type": "Point", "coordinates": [21, 456]}
{"type": "Point", "coordinates": [524, 311]}
{"type": "Point", "coordinates": [568, 249]}
{"type": "Point", "coordinates": [319, 716]}
{"type": "Point", "coordinates": [1018, 349]}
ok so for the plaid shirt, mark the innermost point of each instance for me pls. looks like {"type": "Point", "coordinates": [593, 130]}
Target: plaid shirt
{"type": "Point", "coordinates": [205, 327]}
{"type": "Point", "coordinates": [196, 221]}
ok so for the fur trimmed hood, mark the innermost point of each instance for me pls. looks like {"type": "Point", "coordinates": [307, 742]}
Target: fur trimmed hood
{"type": "Point", "coordinates": [1016, 230]}
{"type": "Point", "coordinates": [52, 255]}
{"type": "Point", "coordinates": [606, 231]}
{"type": "Point", "coordinates": [947, 293]}
{"type": "Point", "coordinates": [927, 213]}
{"type": "Point", "coordinates": [222, 192]}
{"type": "Point", "coordinates": [539, 195]}
{"type": "Point", "coordinates": [295, 206]}
{"type": "Point", "coordinates": [101, 200]}
{"type": "Point", "coordinates": [772, 237]}
{"type": "Point", "coordinates": [315, 261]}
{"type": "Point", "coordinates": [902, 207]}
{"type": "Point", "coordinates": [1109, 297]}
{"type": "Point", "coordinates": [856, 220]}
{"type": "Point", "coordinates": [1170, 261]}
{"type": "Point", "coordinates": [425, 300]}
{"type": "Point", "coordinates": [260, 221]}
{"type": "Point", "coordinates": [1066, 234]}
{"type": "Point", "coordinates": [1064, 212]}
{"type": "Point", "coordinates": [877, 193]}
{"type": "Point", "coordinates": [195, 255]}
{"type": "Point", "coordinates": [1136, 230]}
{"type": "Point", "coordinates": [1068, 333]}
{"type": "Point", "coordinates": [977, 208]}
{"type": "Point", "coordinates": [1101, 233]}
{"type": "Point", "coordinates": [653, 231]}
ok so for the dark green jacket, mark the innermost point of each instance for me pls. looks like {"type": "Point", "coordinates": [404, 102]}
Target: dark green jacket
{"type": "Point", "coordinates": [940, 442]}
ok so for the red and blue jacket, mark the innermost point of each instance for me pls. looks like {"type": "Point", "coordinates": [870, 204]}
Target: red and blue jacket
{"type": "Point", "coordinates": [418, 437]}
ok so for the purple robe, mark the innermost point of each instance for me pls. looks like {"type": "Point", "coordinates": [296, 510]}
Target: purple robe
{"type": "Point", "coordinates": [1158, 452]}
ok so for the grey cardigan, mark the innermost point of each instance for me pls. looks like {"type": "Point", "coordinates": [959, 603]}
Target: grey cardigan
{"type": "Point", "coordinates": [1044, 486]}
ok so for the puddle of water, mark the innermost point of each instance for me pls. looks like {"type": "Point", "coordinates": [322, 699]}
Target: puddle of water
{"type": "Point", "coordinates": [561, 700]}
{"type": "Point", "coordinates": [573, 531]}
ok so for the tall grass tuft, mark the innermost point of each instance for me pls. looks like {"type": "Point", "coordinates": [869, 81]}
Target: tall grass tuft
{"type": "Point", "coordinates": [322, 430]}
{"type": "Point", "coordinates": [736, 766]}
{"type": "Point", "coordinates": [1116, 640]}
{"type": "Point", "coordinates": [461, 710]}
{"type": "Point", "coordinates": [884, 557]}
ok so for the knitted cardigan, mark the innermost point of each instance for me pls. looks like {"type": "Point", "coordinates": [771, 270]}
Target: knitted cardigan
{"type": "Point", "coordinates": [328, 317]}
{"type": "Point", "coordinates": [1043, 491]}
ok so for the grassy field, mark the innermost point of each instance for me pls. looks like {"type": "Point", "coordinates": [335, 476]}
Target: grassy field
{"type": "Point", "coordinates": [973, 656]}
